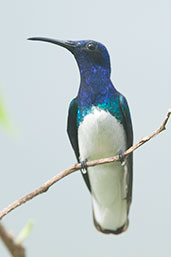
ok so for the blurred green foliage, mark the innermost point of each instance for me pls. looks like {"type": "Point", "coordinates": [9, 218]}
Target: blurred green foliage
{"type": "Point", "coordinates": [5, 120]}
{"type": "Point", "coordinates": [3, 115]}
{"type": "Point", "coordinates": [25, 232]}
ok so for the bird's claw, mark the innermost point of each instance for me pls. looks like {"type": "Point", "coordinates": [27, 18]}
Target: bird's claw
{"type": "Point", "coordinates": [84, 166]}
{"type": "Point", "coordinates": [122, 158]}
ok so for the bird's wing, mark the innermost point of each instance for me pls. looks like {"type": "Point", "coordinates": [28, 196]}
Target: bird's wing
{"type": "Point", "coordinates": [129, 134]}
{"type": "Point", "coordinates": [72, 131]}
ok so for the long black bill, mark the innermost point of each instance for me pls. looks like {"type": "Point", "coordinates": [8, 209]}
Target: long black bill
{"type": "Point", "coordinates": [70, 45]}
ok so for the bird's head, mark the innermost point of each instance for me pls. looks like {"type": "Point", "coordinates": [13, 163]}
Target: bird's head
{"type": "Point", "coordinates": [90, 55]}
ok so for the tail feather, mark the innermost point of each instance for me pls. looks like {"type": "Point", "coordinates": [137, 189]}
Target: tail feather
{"type": "Point", "coordinates": [108, 231]}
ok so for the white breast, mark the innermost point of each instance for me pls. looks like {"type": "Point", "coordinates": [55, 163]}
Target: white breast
{"type": "Point", "coordinates": [101, 135]}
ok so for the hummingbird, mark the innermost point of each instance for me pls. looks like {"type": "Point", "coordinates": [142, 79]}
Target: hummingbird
{"type": "Point", "coordinates": [99, 126]}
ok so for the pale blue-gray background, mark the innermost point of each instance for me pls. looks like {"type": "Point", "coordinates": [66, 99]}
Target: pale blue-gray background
{"type": "Point", "coordinates": [39, 80]}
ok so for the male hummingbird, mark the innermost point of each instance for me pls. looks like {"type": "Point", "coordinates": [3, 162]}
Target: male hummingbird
{"type": "Point", "coordinates": [99, 126]}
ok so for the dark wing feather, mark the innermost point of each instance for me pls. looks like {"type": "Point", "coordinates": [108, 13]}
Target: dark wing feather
{"type": "Point", "coordinates": [72, 131]}
{"type": "Point", "coordinates": [129, 134]}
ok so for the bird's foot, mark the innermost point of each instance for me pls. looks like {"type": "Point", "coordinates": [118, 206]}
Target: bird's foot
{"type": "Point", "coordinates": [122, 158]}
{"type": "Point", "coordinates": [84, 166]}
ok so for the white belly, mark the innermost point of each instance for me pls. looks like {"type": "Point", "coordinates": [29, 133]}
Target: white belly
{"type": "Point", "coordinates": [100, 135]}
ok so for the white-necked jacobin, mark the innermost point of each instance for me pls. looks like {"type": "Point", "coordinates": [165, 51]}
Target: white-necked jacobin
{"type": "Point", "coordinates": [99, 126]}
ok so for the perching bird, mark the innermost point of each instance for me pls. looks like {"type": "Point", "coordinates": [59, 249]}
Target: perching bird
{"type": "Point", "coordinates": [99, 126]}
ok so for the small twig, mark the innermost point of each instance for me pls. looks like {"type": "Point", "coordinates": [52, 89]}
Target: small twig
{"type": "Point", "coordinates": [77, 166]}
{"type": "Point", "coordinates": [16, 249]}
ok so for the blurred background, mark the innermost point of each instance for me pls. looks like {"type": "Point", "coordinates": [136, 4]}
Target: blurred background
{"type": "Point", "coordinates": [38, 81]}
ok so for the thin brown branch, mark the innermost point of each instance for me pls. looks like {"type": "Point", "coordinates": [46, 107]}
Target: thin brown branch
{"type": "Point", "coordinates": [15, 249]}
{"type": "Point", "coordinates": [77, 166]}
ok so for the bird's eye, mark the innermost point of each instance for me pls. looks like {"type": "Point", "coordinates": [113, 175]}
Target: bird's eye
{"type": "Point", "coordinates": [91, 46]}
